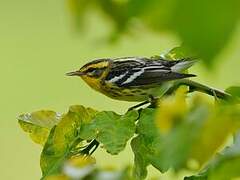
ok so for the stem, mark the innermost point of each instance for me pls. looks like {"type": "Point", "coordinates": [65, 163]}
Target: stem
{"type": "Point", "coordinates": [91, 147]}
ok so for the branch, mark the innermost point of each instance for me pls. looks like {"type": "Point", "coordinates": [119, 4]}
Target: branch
{"type": "Point", "coordinates": [195, 86]}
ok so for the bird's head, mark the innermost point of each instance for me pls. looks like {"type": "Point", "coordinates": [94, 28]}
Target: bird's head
{"type": "Point", "coordinates": [93, 72]}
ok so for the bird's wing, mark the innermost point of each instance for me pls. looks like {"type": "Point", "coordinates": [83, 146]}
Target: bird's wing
{"type": "Point", "coordinates": [146, 77]}
{"type": "Point", "coordinates": [141, 72]}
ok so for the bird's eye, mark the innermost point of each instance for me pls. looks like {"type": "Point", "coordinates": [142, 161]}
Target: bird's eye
{"type": "Point", "coordinates": [97, 72]}
{"type": "Point", "coordinates": [94, 72]}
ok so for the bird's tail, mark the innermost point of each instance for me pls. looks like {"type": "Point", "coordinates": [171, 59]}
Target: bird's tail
{"type": "Point", "coordinates": [182, 65]}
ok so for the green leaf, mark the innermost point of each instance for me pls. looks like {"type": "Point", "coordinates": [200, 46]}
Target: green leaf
{"type": "Point", "coordinates": [111, 129]}
{"type": "Point", "coordinates": [70, 125]}
{"type": "Point", "coordinates": [64, 138]}
{"type": "Point", "coordinates": [51, 160]}
{"type": "Point", "coordinates": [145, 146]}
{"type": "Point", "coordinates": [223, 166]}
{"type": "Point", "coordinates": [180, 52]}
{"type": "Point", "coordinates": [141, 160]}
{"type": "Point", "coordinates": [212, 137]}
{"type": "Point", "coordinates": [38, 124]}
{"type": "Point", "coordinates": [175, 134]}
{"type": "Point", "coordinates": [78, 9]}
{"type": "Point", "coordinates": [203, 28]}
{"type": "Point", "coordinates": [172, 149]}
{"type": "Point", "coordinates": [234, 91]}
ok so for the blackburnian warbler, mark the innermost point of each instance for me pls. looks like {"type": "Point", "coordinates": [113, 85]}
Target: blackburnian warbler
{"type": "Point", "coordinates": [133, 78]}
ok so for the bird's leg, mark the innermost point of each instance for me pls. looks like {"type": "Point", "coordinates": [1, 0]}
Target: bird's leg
{"type": "Point", "coordinates": [138, 105]}
{"type": "Point", "coordinates": [215, 95]}
{"type": "Point", "coordinates": [153, 101]}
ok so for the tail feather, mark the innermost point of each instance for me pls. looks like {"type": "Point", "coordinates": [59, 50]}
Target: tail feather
{"type": "Point", "coordinates": [182, 76]}
{"type": "Point", "coordinates": [183, 65]}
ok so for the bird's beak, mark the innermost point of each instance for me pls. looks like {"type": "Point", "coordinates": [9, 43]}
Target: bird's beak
{"type": "Point", "coordinates": [75, 73]}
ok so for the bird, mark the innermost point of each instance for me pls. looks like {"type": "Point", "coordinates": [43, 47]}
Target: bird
{"type": "Point", "coordinates": [134, 79]}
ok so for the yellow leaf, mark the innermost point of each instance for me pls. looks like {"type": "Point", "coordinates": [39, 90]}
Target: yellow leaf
{"type": "Point", "coordinates": [69, 125]}
{"type": "Point", "coordinates": [38, 124]}
{"type": "Point", "coordinates": [217, 128]}
{"type": "Point", "coordinates": [171, 109]}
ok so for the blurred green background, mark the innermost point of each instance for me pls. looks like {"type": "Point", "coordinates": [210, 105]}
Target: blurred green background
{"type": "Point", "coordinates": [39, 44]}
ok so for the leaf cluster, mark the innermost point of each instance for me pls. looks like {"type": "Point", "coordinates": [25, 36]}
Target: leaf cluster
{"type": "Point", "coordinates": [180, 133]}
{"type": "Point", "coordinates": [64, 136]}
{"type": "Point", "coordinates": [205, 27]}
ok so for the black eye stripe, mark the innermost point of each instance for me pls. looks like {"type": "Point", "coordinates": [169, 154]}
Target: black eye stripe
{"type": "Point", "coordinates": [94, 69]}
{"type": "Point", "coordinates": [95, 72]}
{"type": "Point", "coordinates": [90, 70]}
